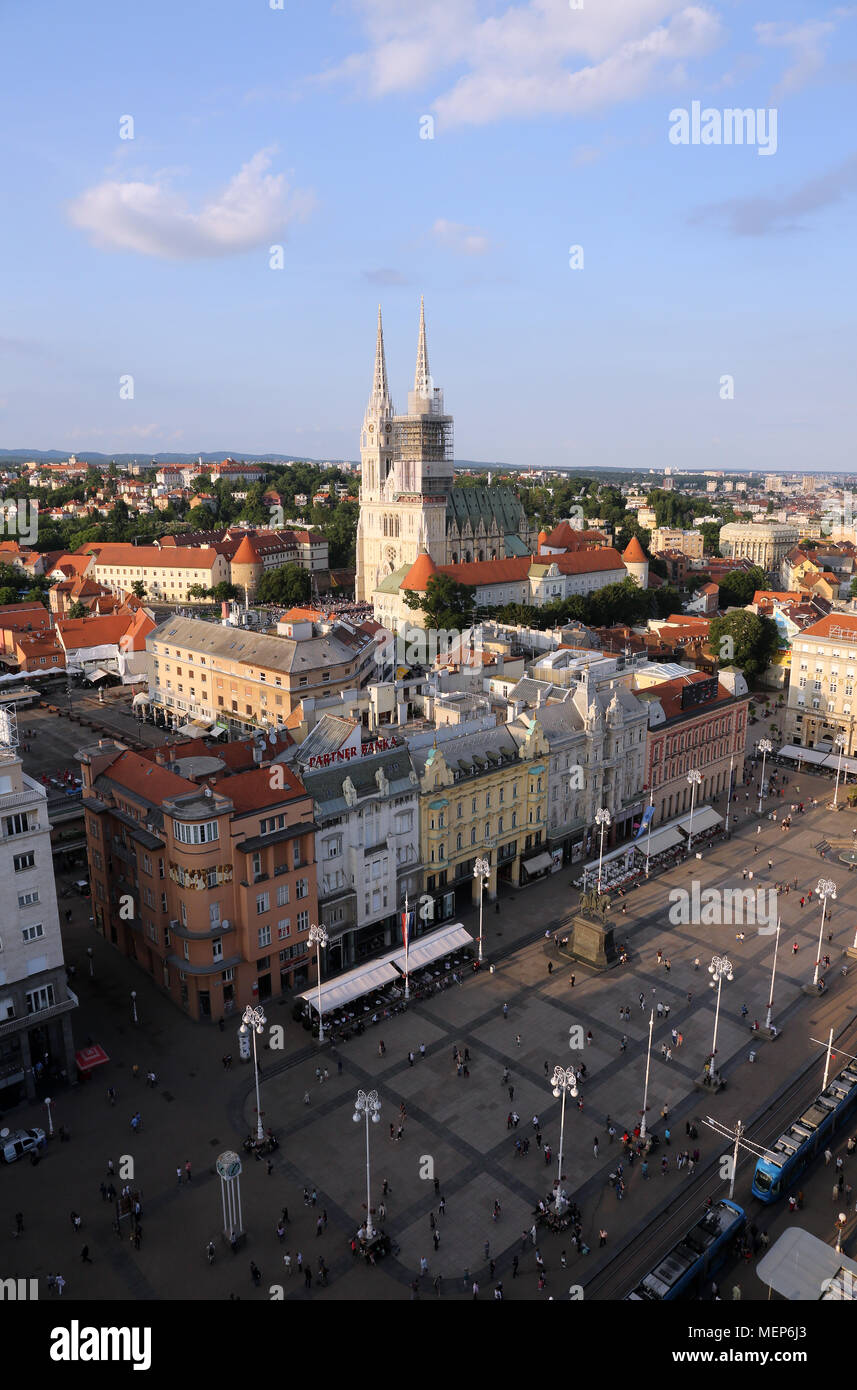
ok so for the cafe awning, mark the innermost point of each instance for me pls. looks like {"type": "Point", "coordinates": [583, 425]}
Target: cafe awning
{"type": "Point", "coordinates": [341, 991]}
{"type": "Point", "coordinates": [538, 863]}
{"type": "Point", "coordinates": [430, 948]}
{"type": "Point", "coordinates": [141, 698]}
{"type": "Point", "coordinates": [804, 1269]}
{"type": "Point", "coordinates": [659, 841]}
{"type": "Point", "coordinates": [705, 818]}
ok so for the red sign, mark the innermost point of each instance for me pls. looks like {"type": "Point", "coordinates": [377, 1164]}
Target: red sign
{"type": "Point", "coordinates": [345, 755]}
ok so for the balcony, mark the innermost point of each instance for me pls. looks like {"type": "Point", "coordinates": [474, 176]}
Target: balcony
{"type": "Point", "coordinates": [39, 1016]}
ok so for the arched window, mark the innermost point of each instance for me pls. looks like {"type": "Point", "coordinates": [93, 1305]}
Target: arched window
{"type": "Point", "coordinates": [482, 555]}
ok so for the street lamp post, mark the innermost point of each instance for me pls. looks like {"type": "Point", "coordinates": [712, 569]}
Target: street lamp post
{"type": "Point", "coordinates": [694, 777]}
{"type": "Point", "coordinates": [89, 954]}
{"type": "Point", "coordinates": [134, 1005]}
{"type": "Point", "coordinates": [646, 1083]}
{"type": "Point", "coordinates": [563, 1083]}
{"type": "Point", "coordinates": [721, 969]}
{"type": "Point", "coordinates": [765, 747]}
{"type": "Point", "coordinates": [825, 888]}
{"type": "Point", "coordinates": [49, 1108]}
{"type": "Point", "coordinates": [318, 937]}
{"type": "Point", "coordinates": [603, 819]}
{"type": "Point", "coordinates": [840, 743]}
{"type": "Point", "coordinates": [773, 977]}
{"type": "Point", "coordinates": [255, 1019]}
{"type": "Point", "coordinates": [482, 872]}
{"type": "Point", "coordinates": [369, 1106]}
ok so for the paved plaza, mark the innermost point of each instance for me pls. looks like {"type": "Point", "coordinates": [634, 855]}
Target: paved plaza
{"type": "Point", "coordinates": [454, 1127]}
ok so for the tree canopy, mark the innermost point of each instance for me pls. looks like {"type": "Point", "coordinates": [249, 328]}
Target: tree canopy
{"type": "Point", "coordinates": [746, 640]}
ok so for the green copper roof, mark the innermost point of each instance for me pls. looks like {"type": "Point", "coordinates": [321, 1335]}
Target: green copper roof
{"type": "Point", "coordinates": [514, 546]}
{"type": "Point", "coordinates": [391, 582]}
{"type": "Point", "coordinates": [496, 507]}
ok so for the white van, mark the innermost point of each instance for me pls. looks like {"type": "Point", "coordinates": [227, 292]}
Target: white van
{"type": "Point", "coordinates": [21, 1142]}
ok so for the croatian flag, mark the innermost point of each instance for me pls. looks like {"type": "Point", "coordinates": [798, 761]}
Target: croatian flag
{"type": "Point", "coordinates": [408, 919]}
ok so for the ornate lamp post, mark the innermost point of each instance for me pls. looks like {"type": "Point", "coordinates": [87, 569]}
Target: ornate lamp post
{"type": "Point", "coordinates": [694, 778]}
{"type": "Point", "coordinates": [89, 953]}
{"type": "Point", "coordinates": [721, 969]}
{"type": "Point", "coordinates": [840, 744]}
{"type": "Point", "coordinates": [602, 818]}
{"type": "Point", "coordinates": [482, 872]}
{"type": "Point", "coordinates": [368, 1106]}
{"type": "Point", "coordinates": [563, 1083]}
{"type": "Point", "coordinates": [729, 791]}
{"type": "Point", "coordinates": [765, 747]}
{"type": "Point", "coordinates": [49, 1107]}
{"type": "Point", "coordinates": [255, 1019]}
{"type": "Point", "coordinates": [825, 888]}
{"type": "Point", "coordinates": [318, 937]}
{"type": "Point", "coordinates": [134, 1005]}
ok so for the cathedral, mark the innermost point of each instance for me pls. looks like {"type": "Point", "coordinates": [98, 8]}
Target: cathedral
{"type": "Point", "coordinates": [408, 501]}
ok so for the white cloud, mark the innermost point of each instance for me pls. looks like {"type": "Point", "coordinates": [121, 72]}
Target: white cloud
{"type": "Point", "coordinates": [809, 44]}
{"type": "Point", "coordinates": [254, 209]}
{"type": "Point", "coordinates": [454, 236]}
{"type": "Point", "coordinates": [540, 57]}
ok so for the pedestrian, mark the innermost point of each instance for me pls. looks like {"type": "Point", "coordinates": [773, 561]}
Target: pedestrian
{"type": "Point", "coordinates": [602, 1237]}
{"type": "Point", "coordinates": [515, 1263]}
{"type": "Point", "coordinates": [517, 1040]}
{"type": "Point", "coordinates": [19, 1223]}
{"type": "Point", "coordinates": [571, 980]}
{"type": "Point", "coordinates": [589, 1038]}
{"type": "Point", "coordinates": [505, 1010]}
{"type": "Point", "coordinates": [441, 1208]}
{"type": "Point", "coordinates": [84, 1255]}
{"type": "Point", "coordinates": [60, 1284]}
{"type": "Point", "coordinates": [307, 1278]}
{"type": "Point", "coordinates": [827, 1157]}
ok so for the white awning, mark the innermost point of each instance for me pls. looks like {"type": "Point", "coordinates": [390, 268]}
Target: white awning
{"type": "Point", "coordinates": [803, 755]}
{"type": "Point", "coordinates": [141, 698]}
{"type": "Point", "coordinates": [429, 948]}
{"type": "Point", "coordinates": [97, 674]}
{"type": "Point", "coordinates": [538, 863]}
{"type": "Point", "coordinates": [341, 991]}
{"type": "Point", "coordinates": [194, 729]}
{"type": "Point", "coordinates": [660, 840]}
{"type": "Point", "coordinates": [802, 1268]}
{"type": "Point", "coordinates": [704, 818]}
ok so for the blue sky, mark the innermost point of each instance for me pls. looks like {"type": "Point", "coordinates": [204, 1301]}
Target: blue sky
{"type": "Point", "coordinates": [255, 126]}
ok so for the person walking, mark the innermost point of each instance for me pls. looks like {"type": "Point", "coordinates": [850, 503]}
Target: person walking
{"type": "Point", "coordinates": [595, 1147]}
{"type": "Point", "coordinates": [187, 1171]}
{"type": "Point", "coordinates": [19, 1223]}
{"type": "Point", "coordinates": [602, 1237]}
{"type": "Point", "coordinates": [60, 1284]}
{"type": "Point", "coordinates": [84, 1255]}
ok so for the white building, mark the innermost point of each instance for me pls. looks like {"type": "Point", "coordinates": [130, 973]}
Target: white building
{"type": "Point", "coordinates": [35, 1001]}
{"type": "Point", "coordinates": [821, 701]}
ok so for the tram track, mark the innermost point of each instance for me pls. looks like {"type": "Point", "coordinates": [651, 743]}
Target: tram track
{"type": "Point", "coordinates": [643, 1249]}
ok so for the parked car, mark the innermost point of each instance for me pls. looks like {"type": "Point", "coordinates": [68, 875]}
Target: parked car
{"type": "Point", "coordinates": [21, 1142]}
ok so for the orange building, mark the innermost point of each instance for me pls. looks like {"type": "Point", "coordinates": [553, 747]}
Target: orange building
{"type": "Point", "coordinates": [202, 866]}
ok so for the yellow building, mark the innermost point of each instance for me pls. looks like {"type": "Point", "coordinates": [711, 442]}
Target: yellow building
{"type": "Point", "coordinates": [204, 672]}
{"type": "Point", "coordinates": [482, 796]}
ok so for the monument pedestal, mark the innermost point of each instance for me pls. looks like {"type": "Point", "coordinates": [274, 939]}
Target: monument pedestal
{"type": "Point", "coordinates": [709, 1086]}
{"type": "Point", "coordinates": [591, 942]}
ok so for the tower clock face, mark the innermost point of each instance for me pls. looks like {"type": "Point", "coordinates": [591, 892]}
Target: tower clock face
{"type": "Point", "coordinates": [371, 429]}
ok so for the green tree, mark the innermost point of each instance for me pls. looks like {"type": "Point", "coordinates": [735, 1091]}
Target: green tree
{"type": "Point", "coordinates": [745, 640]}
{"type": "Point", "coordinates": [195, 591]}
{"type": "Point", "coordinates": [710, 537]}
{"type": "Point", "coordinates": [737, 587]}
{"type": "Point", "coordinates": [224, 591]}
{"type": "Point", "coordinates": [446, 604]}
{"type": "Point", "coordinates": [138, 588]}
{"type": "Point", "coordinates": [288, 584]}
{"type": "Point", "coordinates": [77, 610]}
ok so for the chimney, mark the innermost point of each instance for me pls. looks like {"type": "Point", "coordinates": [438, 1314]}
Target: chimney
{"type": "Point", "coordinates": [161, 757]}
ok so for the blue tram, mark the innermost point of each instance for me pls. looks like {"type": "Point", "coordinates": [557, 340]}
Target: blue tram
{"type": "Point", "coordinates": [802, 1141]}
{"type": "Point", "coordinates": [695, 1258]}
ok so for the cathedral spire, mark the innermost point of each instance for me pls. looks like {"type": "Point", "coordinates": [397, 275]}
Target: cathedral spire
{"type": "Point", "coordinates": [422, 379]}
{"type": "Point", "coordinates": [380, 404]}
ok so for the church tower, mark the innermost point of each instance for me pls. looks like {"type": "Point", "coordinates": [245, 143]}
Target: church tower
{"type": "Point", "coordinates": [407, 473]}
{"type": "Point", "coordinates": [376, 456]}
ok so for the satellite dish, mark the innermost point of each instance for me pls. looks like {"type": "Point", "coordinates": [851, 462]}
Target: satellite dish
{"type": "Point", "coordinates": [208, 791]}
{"type": "Point", "coordinates": [272, 736]}
{"type": "Point", "coordinates": [4, 1133]}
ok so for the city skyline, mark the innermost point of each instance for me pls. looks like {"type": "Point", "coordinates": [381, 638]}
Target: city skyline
{"type": "Point", "coordinates": [150, 256]}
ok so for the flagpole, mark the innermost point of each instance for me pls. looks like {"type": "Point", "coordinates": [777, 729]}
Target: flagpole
{"type": "Point", "coordinates": [405, 926]}
{"type": "Point", "coordinates": [649, 836]}
{"type": "Point", "coordinates": [729, 791]}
